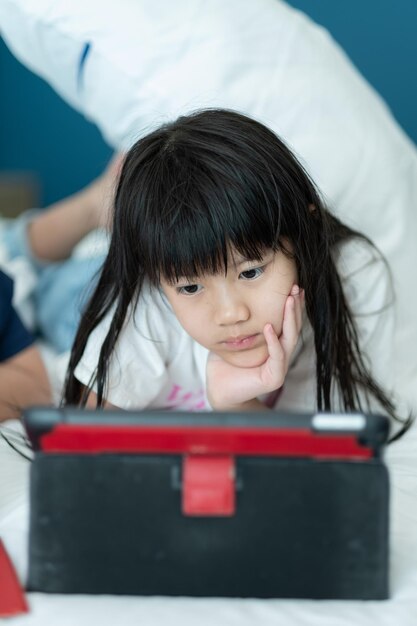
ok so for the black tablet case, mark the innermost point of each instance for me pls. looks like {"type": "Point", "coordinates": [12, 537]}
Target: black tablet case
{"type": "Point", "coordinates": [302, 528]}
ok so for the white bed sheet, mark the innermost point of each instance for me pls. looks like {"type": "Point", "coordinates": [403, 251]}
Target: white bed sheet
{"type": "Point", "coordinates": [400, 610]}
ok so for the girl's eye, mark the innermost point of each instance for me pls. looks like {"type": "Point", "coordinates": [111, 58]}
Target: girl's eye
{"type": "Point", "coordinates": [252, 273]}
{"type": "Point", "coordinates": [189, 290]}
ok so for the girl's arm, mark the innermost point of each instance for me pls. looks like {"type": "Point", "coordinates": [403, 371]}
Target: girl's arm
{"type": "Point", "coordinates": [23, 382]}
{"type": "Point", "coordinates": [92, 402]}
{"type": "Point", "coordinates": [54, 233]}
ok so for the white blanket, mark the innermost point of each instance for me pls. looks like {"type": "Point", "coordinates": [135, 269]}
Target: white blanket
{"type": "Point", "coordinates": [62, 610]}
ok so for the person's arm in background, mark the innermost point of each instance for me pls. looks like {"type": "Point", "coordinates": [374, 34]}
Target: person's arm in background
{"type": "Point", "coordinates": [23, 378]}
{"type": "Point", "coordinates": [23, 382]}
{"type": "Point", "coordinates": [53, 234]}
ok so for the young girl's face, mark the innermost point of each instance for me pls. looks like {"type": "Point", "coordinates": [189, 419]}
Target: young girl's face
{"type": "Point", "coordinates": [226, 313]}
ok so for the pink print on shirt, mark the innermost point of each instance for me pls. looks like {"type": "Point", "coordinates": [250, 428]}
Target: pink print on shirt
{"type": "Point", "coordinates": [178, 398]}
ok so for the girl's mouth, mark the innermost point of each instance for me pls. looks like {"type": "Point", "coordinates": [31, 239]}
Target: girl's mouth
{"type": "Point", "coordinates": [243, 342]}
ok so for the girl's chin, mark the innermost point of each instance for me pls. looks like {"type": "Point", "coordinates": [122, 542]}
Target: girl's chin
{"type": "Point", "coordinates": [247, 358]}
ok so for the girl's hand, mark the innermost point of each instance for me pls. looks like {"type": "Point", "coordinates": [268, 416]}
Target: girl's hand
{"type": "Point", "coordinates": [234, 388]}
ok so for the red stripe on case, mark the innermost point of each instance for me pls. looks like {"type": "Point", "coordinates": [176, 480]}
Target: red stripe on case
{"type": "Point", "coordinates": [74, 438]}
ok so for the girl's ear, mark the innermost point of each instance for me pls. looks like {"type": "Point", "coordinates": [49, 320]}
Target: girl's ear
{"type": "Point", "coordinates": [312, 208]}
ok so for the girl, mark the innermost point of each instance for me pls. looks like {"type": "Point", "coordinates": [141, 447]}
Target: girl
{"type": "Point", "coordinates": [229, 285]}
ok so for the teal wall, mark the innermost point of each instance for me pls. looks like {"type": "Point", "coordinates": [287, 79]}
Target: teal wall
{"type": "Point", "coordinates": [380, 38]}
{"type": "Point", "coordinates": [39, 132]}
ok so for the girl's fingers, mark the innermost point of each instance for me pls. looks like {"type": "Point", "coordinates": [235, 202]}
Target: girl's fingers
{"type": "Point", "coordinates": [274, 369]}
{"type": "Point", "coordinates": [275, 350]}
{"type": "Point", "coordinates": [299, 306]}
{"type": "Point", "coordinates": [299, 296]}
{"type": "Point", "coordinates": [290, 327]}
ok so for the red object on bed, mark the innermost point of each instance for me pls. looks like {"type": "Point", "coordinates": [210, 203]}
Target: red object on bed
{"type": "Point", "coordinates": [12, 596]}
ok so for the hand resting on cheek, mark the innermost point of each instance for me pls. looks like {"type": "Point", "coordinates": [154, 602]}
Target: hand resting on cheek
{"type": "Point", "coordinates": [232, 388]}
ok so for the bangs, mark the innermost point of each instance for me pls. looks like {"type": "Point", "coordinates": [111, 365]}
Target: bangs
{"type": "Point", "coordinates": [208, 186]}
{"type": "Point", "coordinates": [200, 227]}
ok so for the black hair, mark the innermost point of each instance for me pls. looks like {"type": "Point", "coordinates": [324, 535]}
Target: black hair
{"type": "Point", "coordinates": [187, 193]}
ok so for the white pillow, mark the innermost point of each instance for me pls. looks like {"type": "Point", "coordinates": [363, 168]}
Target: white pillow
{"type": "Point", "coordinates": [132, 64]}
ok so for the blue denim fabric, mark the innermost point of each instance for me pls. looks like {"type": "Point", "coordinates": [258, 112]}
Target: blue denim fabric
{"type": "Point", "coordinates": [62, 289]}
{"type": "Point", "coordinates": [62, 292]}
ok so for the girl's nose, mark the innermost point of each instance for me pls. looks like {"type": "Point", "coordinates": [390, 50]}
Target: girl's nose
{"type": "Point", "coordinates": [230, 310]}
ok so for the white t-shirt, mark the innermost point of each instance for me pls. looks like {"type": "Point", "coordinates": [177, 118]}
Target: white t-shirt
{"type": "Point", "coordinates": [156, 364]}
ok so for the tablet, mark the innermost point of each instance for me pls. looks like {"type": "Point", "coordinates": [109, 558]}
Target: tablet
{"type": "Point", "coordinates": [208, 504]}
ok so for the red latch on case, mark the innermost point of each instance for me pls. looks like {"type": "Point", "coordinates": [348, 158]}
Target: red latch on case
{"type": "Point", "coordinates": [208, 485]}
